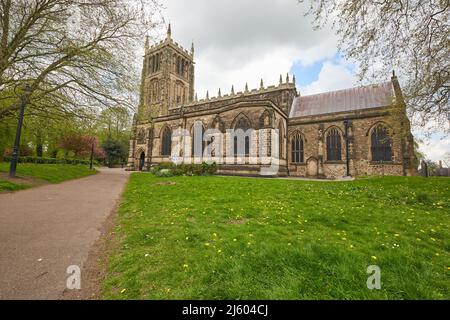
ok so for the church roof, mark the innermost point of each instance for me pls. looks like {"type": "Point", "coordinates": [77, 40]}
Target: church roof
{"type": "Point", "coordinates": [364, 97]}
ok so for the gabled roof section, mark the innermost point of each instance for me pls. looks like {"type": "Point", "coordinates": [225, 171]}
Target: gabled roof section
{"type": "Point", "coordinates": [359, 98]}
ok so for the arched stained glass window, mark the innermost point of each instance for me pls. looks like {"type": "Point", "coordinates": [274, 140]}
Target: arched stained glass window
{"type": "Point", "coordinates": [297, 149]}
{"type": "Point", "coordinates": [381, 146]}
{"type": "Point", "coordinates": [334, 145]}
{"type": "Point", "coordinates": [198, 132]}
{"type": "Point", "coordinates": [166, 148]}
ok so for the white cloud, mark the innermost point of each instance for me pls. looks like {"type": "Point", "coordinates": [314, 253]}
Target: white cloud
{"type": "Point", "coordinates": [332, 76]}
{"type": "Point", "coordinates": [243, 41]}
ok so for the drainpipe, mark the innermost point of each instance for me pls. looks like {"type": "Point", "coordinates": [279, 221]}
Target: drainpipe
{"type": "Point", "coordinates": [347, 148]}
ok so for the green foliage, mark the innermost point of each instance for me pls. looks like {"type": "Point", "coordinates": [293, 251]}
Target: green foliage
{"type": "Point", "coordinates": [163, 173]}
{"type": "Point", "coordinates": [39, 160]}
{"type": "Point", "coordinates": [202, 169]}
{"type": "Point", "coordinates": [24, 151]}
{"type": "Point", "coordinates": [115, 151]}
{"type": "Point", "coordinates": [244, 238]}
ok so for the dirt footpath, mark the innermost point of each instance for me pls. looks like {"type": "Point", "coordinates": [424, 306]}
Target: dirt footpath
{"type": "Point", "coordinates": [45, 230]}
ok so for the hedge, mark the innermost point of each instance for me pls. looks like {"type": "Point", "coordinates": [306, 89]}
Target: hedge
{"type": "Point", "coordinates": [169, 169]}
{"type": "Point", "coordinates": [39, 160]}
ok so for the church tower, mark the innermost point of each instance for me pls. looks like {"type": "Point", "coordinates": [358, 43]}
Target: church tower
{"type": "Point", "coordinates": [167, 78]}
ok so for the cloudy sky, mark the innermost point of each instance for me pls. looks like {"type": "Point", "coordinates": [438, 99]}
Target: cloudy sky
{"type": "Point", "coordinates": [239, 41]}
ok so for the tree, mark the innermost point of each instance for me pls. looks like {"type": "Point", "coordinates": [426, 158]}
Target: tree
{"type": "Point", "coordinates": [75, 55]}
{"type": "Point", "coordinates": [114, 123]}
{"type": "Point", "coordinates": [410, 36]}
{"type": "Point", "coordinates": [81, 146]}
{"type": "Point", "coordinates": [114, 151]}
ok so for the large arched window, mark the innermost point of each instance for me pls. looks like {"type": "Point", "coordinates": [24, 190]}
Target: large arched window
{"type": "Point", "coordinates": [243, 124]}
{"type": "Point", "coordinates": [198, 133]}
{"type": "Point", "coordinates": [166, 143]}
{"type": "Point", "coordinates": [281, 140]}
{"type": "Point", "coordinates": [297, 149]}
{"type": "Point", "coordinates": [246, 147]}
{"type": "Point", "coordinates": [334, 145]}
{"type": "Point", "coordinates": [381, 146]}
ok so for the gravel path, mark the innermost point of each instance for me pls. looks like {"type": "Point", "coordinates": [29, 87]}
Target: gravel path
{"type": "Point", "coordinates": [45, 230]}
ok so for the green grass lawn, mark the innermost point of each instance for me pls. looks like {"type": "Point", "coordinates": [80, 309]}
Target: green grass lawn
{"type": "Point", "coordinates": [244, 238]}
{"type": "Point", "coordinates": [52, 173]}
{"type": "Point", "coordinates": [8, 186]}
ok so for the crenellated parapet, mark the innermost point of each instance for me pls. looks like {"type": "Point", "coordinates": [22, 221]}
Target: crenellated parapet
{"type": "Point", "coordinates": [274, 91]}
{"type": "Point", "coordinates": [168, 41]}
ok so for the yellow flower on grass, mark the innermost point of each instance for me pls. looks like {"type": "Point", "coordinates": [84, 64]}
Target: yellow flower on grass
{"type": "Point", "coordinates": [374, 258]}
{"type": "Point", "coordinates": [219, 251]}
{"type": "Point", "coordinates": [234, 239]}
{"type": "Point", "coordinates": [123, 290]}
{"type": "Point", "coordinates": [397, 235]}
{"type": "Point", "coordinates": [185, 266]}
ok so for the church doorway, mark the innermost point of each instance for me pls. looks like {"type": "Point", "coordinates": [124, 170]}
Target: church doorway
{"type": "Point", "coordinates": [142, 161]}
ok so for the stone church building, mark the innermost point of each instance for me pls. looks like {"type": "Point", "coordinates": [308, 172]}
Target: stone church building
{"type": "Point", "coordinates": [350, 132]}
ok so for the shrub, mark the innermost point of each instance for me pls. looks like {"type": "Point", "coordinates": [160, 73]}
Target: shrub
{"type": "Point", "coordinates": [24, 151]}
{"type": "Point", "coordinates": [39, 160]}
{"type": "Point", "coordinates": [185, 169]}
{"type": "Point", "coordinates": [163, 173]}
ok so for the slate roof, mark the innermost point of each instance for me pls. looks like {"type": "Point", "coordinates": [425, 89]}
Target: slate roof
{"type": "Point", "coordinates": [365, 97]}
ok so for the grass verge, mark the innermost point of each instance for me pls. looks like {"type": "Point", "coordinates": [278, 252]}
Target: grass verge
{"type": "Point", "coordinates": [51, 173]}
{"type": "Point", "coordinates": [245, 238]}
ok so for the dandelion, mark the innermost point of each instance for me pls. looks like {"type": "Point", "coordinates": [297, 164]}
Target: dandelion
{"type": "Point", "coordinates": [374, 258]}
{"type": "Point", "coordinates": [185, 266]}
{"type": "Point", "coordinates": [234, 239]}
